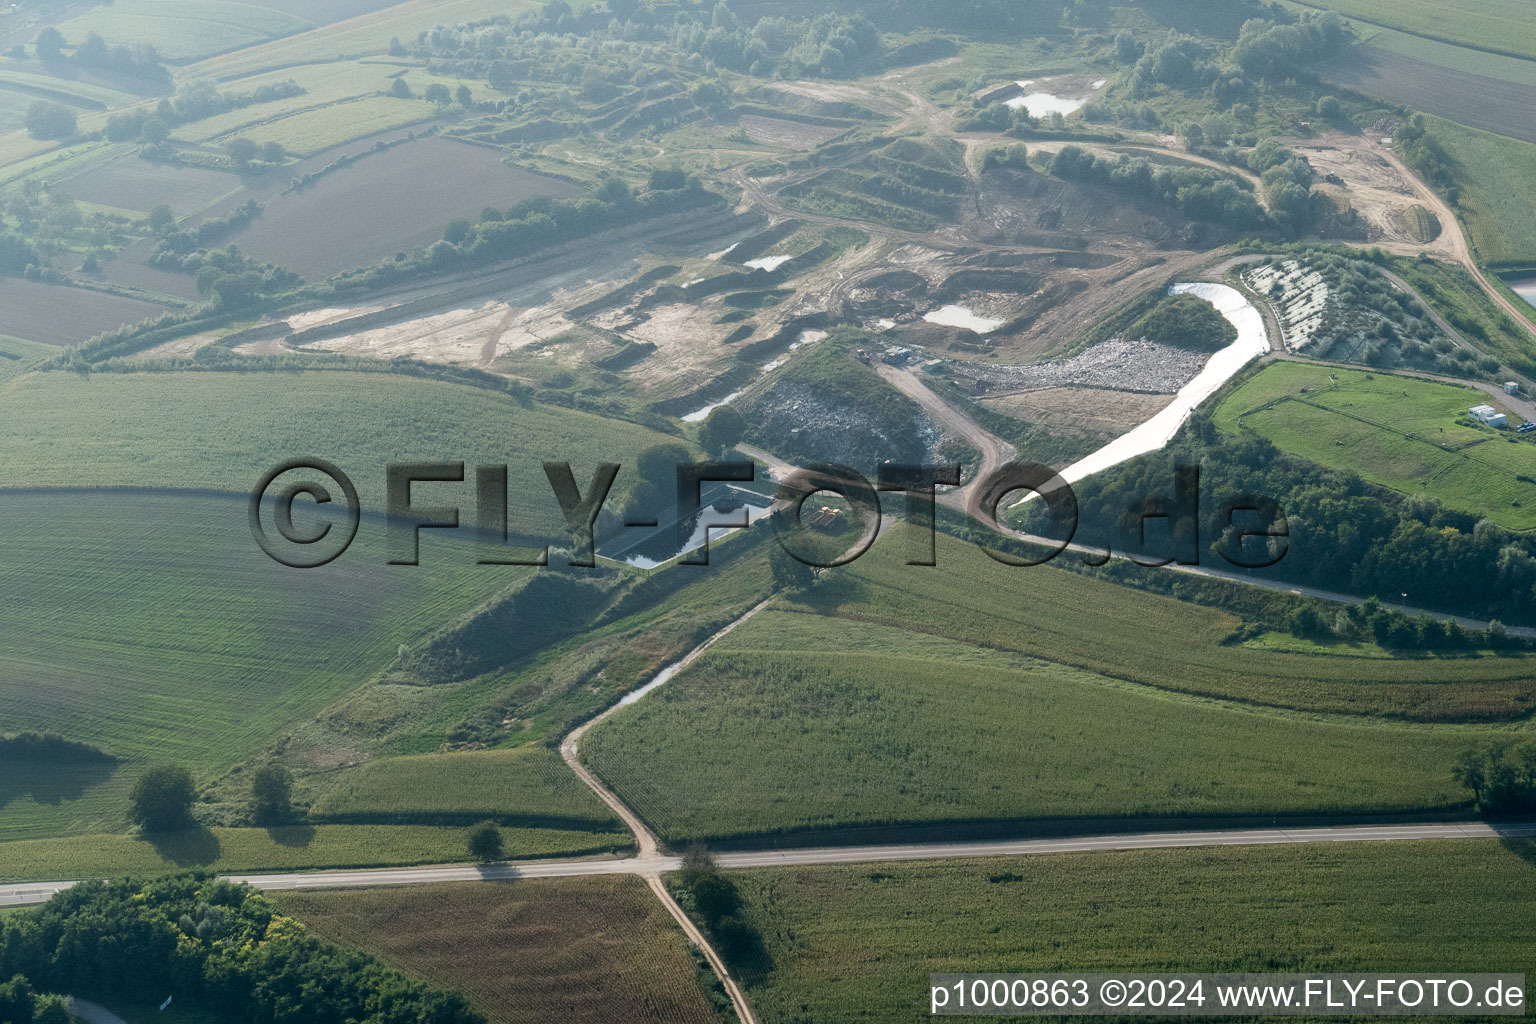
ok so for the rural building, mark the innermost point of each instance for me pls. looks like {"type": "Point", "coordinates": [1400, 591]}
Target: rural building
{"type": "Point", "coordinates": [826, 519]}
{"type": "Point", "coordinates": [1489, 415]}
{"type": "Point", "coordinates": [1511, 387]}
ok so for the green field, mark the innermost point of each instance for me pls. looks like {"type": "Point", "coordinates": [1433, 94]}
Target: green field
{"type": "Point", "coordinates": [360, 36]}
{"type": "Point", "coordinates": [184, 29]}
{"type": "Point", "coordinates": [526, 786]}
{"type": "Point", "coordinates": [1395, 431]}
{"type": "Point", "coordinates": [291, 848]}
{"type": "Point", "coordinates": [223, 431]}
{"type": "Point", "coordinates": [311, 131]}
{"type": "Point", "coordinates": [575, 950]}
{"type": "Point", "coordinates": [1497, 176]}
{"type": "Point", "coordinates": [325, 86]}
{"type": "Point", "coordinates": [799, 722]}
{"type": "Point", "coordinates": [154, 627]}
{"type": "Point", "coordinates": [1503, 26]}
{"type": "Point", "coordinates": [858, 942]}
{"type": "Point", "coordinates": [1448, 55]}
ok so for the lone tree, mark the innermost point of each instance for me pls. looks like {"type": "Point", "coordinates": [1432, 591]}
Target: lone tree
{"type": "Point", "coordinates": [400, 89]}
{"type": "Point", "coordinates": [162, 798]}
{"type": "Point", "coordinates": [154, 131]}
{"type": "Point", "coordinates": [50, 44]}
{"type": "Point", "coordinates": [464, 96]}
{"type": "Point", "coordinates": [485, 842]}
{"type": "Point", "coordinates": [271, 794]}
{"type": "Point", "coordinates": [722, 430]}
{"type": "Point", "coordinates": [273, 153]}
{"type": "Point", "coordinates": [242, 151]}
{"type": "Point", "coordinates": [438, 93]}
{"type": "Point", "coordinates": [49, 120]}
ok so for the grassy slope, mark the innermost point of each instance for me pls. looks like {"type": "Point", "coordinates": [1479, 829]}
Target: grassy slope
{"type": "Point", "coordinates": [224, 430]}
{"type": "Point", "coordinates": [572, 949]}
{"type": "Point", "coordinates": [292, 848]}
{"type": "Point", "coordinates": [1498, 180]}
{"type": "Point", "coordinates": [799, 722]}
{"type": "Point", "coordinates": [1411, 444]}
{"type": "Point", "coordinates": [859, 942]}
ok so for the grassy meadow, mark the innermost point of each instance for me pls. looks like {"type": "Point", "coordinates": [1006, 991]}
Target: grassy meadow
{"type": "Point", "coordinates": [798, 722]}
{"type": "Point", "coordinates": [858, 942]}
{"type": "Point", "coordinates": [1497, 176]}
{"type": "Point", "coordinates": [1395, 431]}
{"type": "Point", "coordinates": [577, 950]}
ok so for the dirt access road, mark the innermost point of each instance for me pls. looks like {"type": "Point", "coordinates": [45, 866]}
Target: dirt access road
{"type": "Point", "coordinates": [645, 839]}
{"type": "Point", "coordinates": [995, 452]}
{"type": "Point", "coordinates": [1451, 229]}
{"type": "Point", "coordinates": [39, 892]}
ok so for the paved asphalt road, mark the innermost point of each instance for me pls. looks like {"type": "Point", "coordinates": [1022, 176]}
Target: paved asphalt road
{"type": "Point", "coordinates": [39, 892]}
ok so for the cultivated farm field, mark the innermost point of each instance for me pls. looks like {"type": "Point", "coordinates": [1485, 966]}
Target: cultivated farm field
{"type": "Point", "coordinates": [153, 626]}
{"type": "Point", "coordinates": [858, 942]}
{"type": "Point", "coordinates": [1395, 431]}
{"type": "Point", "coordinates": [334, 225]}
{"type": "Point", "coordinates": [57, 314]}
{"type": "Point", "coordinates": [798, 723]}
{"type": "Point", "coordinates": [583, 950]}
{"type": "Point", "coordinates": [527, 785]}
{"type": "Point", "coordinates": [367, 33]}
{"type": "Point", "coordinates": [185, 29]}
{"type": "Point", "coordinates": [1477, 100]}
{"type": "Point", "coordinates": [283, 848]}
{"type": "Point", "coordinates": [309, 131]}
{"type": "Point", "coordinates": [1501, 26]}
{"type": "Point", "coordinates": [224, 430]}
{"type": "Point", "coordinates": [130, 183]}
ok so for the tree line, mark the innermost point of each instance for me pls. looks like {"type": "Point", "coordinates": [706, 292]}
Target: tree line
{"type": "Point", "coordinates": [221, 947]}
{"type": "Point", "coordinates": [1501, 776]}
{"type": "Point", "coordinates": [141, 60]}
{"type": "Point", "coordinates": [1199, 193]}
{"type": "Point", "coordinates": [1344, 534]}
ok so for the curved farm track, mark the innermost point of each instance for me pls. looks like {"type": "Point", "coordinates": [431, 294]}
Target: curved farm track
{"type": "Point", "coordinates": [645, 839]}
